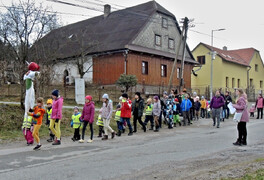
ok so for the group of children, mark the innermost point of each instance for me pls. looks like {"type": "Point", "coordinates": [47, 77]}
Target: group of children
{"type": "Point", "coordinates": [170, 107]}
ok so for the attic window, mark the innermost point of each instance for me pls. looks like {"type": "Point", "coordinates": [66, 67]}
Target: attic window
{"type": "Point", "coordinates": [171, 43]}
{"type": "Point", "coordinates": [164, 22]}
{"type": "Point", "coordinates": [201, 59]}
{"type": "Point", "coordinates": [157, 40]}
{"type": "Point", "coordinates": [256, 67]}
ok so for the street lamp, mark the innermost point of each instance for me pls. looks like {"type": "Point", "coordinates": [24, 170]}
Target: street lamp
{"type": "Point", "coordinates": [212, 58]}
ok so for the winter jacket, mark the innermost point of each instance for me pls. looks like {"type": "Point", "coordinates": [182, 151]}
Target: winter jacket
{"type": "Point", "coordinates": [107, 110]}
{"type": "Point", "coordinates": [176, 108]}
{"type": "Point", "coordinates": [228, 99]}
{"type": "Point", "coordinates": [203, 104]}
{"type": "Point", "coordinates": [38, 114]}
{"type": "Point", "coordinates": [126, 110]}
{"type": "Point", "coordinates": [156, 108]}
{"type": "Point", "coordinates": [241, 106]}
{"type": "Point", "coordinates": [217, 102]}
{"type": "Point", "coordinates": [197, 105]}
{"type": "Point", "coordinates": [186, 105]}
{"type": "Point", "coordinates": [140, 107]}
{"type": "Point", "coordinates": [88, 112]}
{"type": "Point", "coordinates": [259, 102]}
{"type": "Point", "coordinates": [57, 108]}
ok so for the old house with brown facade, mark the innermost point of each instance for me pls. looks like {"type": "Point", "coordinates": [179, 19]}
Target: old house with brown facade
{"type": "Point", "coordinates": [139, 40]}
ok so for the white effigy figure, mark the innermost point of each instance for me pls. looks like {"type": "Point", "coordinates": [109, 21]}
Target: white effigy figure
{"type": "Point", "coordinates": [30, 91]}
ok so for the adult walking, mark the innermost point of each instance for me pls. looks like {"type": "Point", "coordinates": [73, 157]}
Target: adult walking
{"type": "Point", "coordinates": [259, 106]}
{"type": "Point", "coordinates": [228, 100]}
{"type": "Point", "coordinates": [216, 105]}
{"type": "Point", "coordinates": [241, 107]}
{"type": "Point", "coordinates": [107, 110]}
{"type": "Point", "coordinates": [137, 109]}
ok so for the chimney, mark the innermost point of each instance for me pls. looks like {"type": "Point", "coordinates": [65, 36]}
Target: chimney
{"type": "Point", "coordinates": [107, 10]}
{"type": "Point", "coordinates": [225, 48]}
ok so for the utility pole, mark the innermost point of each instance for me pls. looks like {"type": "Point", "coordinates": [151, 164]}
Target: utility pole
{"type": "Point", "coordinates": [176, 58]}
{"type": "Point", "coordinates": [186, 22]}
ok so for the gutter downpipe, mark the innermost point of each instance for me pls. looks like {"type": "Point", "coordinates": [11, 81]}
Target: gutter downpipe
{"type": "Point", "coordinates": [125, 64]}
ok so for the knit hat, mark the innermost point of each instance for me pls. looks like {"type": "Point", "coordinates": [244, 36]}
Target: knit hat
{"type": "Point", "coordinates": [156, 97]}
{"type": "Point", "coordinates": [165, 92]}
{"type": "Point", "coordinates": [33, 66]}
{"type": "Point", "coordinates": [184, 90]}
{"type": "Point", "coordinates": [202, 97]}
{"type": "Point", "coordinates": [138, 94]}
{"type": "Point", "coordinates": [49, 101]}
{"type": "Point", "coordinates": [176, 100]}
{"type": "Point", "coordinates": [89, 97]}
{"type": "Point", "coordinates": [76, 107]}
{"type": "Point", "coordinates": [120, 98]}
{"type": "Point", "coordinates": [105, 96]}
{"type": "Point", "coordinates": [125, 95]}
{"type": "Point", "coordinates": [55, 93]}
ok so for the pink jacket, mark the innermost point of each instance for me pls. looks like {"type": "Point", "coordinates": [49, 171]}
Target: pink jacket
{"type": "Point", "coordinates": [57, 108]}
{"type": "Point", "coordinates": [88, 112]}
{"type": "Point", "coordinates": [259, 103]}
{"type": "Point", "coordinates": [241, 106]}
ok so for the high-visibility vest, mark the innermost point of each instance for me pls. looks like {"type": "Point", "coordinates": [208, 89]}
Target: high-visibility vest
{"type": "Point", "coordinates": [76, 120]}
{"type": "Point", "coordinates": [27, 122]}
{"type": "Point", "coordinates": [149, 110]}
{"type": "Point", "coordinates": [49, 113]}
{"type": "Point", "coordinates": [117, 115]}
{"type": "Point", "coordinates": [100, 121]}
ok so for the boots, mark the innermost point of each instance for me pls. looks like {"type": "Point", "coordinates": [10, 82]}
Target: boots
{"type": "Point", "coordinates": [180, 123]}
{"type": "Point", "coordinates": [51, 139]}
{"type": "Point", "coordinates": [237, 143]}
{"type": "Point", "coordinates": [130, 132]}
{"type": "Point", "coordinates": [157, 129]}
{"type": "Point", "coordinates": [144, 128]}
{"type": "Point", "coordinates": [118, 133]}
{"type": "Point", "coordinates": [113, 135]}
{"type": "Point", "coordinates": [105, 137]}
{"type": "Point", "coordinates": [244, 142]}
{"type": "Point", "coordinates": [151, 128]}
{"type": "Point", "coordinates": [100, 134]}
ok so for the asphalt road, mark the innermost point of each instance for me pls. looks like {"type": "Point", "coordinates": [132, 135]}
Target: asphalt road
{"type": "Point", "coordinates": [122, 155]}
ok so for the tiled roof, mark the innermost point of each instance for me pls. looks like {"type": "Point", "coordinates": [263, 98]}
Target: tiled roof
{"type": "Point", "coordinates": [239, 56]}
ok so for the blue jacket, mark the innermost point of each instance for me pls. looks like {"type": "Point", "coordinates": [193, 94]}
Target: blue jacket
{"type": "Point", "coordinates": [186, 105]}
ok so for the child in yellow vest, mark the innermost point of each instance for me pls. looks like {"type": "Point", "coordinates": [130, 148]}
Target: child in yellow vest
{"type": "Point", "coordinates": [117, 117]}
{"type": "Point", "coordinates": [48, 115]}
{"type": "Point", "coordinates": [76, 124]}
{"type": "Point", "coordinates": [100, 123]}
{"type": "Point", "coordinates": [27, 129]}
{"type": "Point", "coordinates": [149, 115]}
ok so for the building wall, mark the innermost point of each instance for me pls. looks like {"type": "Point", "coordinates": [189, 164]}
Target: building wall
{"type": "Point", "coordinates": [72, 68]}
{"type": "Point", "coordinates": [146, 37]}
{"type": "Point", "coordinates": [107, 69]}
{"type": "Point", "coordinates": [257, 76]}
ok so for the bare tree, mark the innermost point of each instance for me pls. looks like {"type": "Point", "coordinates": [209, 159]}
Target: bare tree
{"type": "Point", "coordinates": [21, 25]}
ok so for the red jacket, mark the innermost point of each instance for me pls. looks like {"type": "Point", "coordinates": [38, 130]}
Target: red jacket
{"type": "Point", "coordinates": [126, 109]}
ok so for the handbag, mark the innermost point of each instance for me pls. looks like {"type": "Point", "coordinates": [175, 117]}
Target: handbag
{"type": "Point", "coordinates": [237, 116]}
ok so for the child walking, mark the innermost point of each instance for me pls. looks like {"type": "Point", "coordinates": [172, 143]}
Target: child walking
{"type": "Point", "coordinates": [100, 124]}
{"type": "Point", "coordinates": [117, 118]}
{"type": "Point", "coordinates": [197, 107]}
{"type": "Point", "coordinates": [149, 115]}
{"type": "Point", "coordinates": [48, 115]}
{"type": "Point", "coordinates": [252, 110]}
{"type": "Point", "coordinates": [107, 110]}
{"type": "Point", "coordinates": [88, 117]}
{"type": "Point", "coordinates": [126, 113]}
{"type": "Point", "coordinates": [156, 112]}
{"type": "Point", "coordinates": [186, 106]}
{"type": "Point", "coordinates": [37, 114]}
{"type": "Point", "coordinates": [176, 112]}
{"type": "Point", "coordinates": [76, 124]}
{"type": "Point", "coordinates": [56, 116]}
{"type": "Point", "coordinates": [27, 129]}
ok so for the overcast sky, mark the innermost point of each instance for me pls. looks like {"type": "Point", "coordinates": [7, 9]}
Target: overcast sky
{"type": "Point", "coordinates": [242, 19]}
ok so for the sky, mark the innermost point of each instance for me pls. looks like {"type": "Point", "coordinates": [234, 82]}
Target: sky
{"type": "Point", "coordinates": [242, 19]}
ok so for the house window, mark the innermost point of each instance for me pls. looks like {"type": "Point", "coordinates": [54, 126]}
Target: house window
{"type": "Point", "coordinates": [171, 43]}
{"type": "Point", "coordinates": [178, 72]}
{"type": "Point", "coordinates": [256, 67]}
{"type": "Point", "coordinates": [163, 70]}
{"type": "Point", "coordinates": [227, 82]}
{"type": "Point", "coordinates": [233, 82]}
{"type": "Point", "coordinates": [238, 83]}
{"type": "Point", "coordinates": [261, 84]}
{"type": "Point", "coordinates": [144, 67]}
{"type": "Point", "coordinates": [201, 59]}
{"type": "Point", "coordinates": [251, 82]}
{"type": "Point", "coordinates": [157, 40]}
{"type": "Point", "coordinates": [164, 22]}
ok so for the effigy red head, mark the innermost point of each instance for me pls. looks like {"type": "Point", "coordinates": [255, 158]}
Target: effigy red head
{"type": "Point", "coordinates": [33, 66]}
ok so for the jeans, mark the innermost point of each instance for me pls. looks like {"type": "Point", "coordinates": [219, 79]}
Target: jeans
{"type": "Point", "coordinates": [202, 113]}
{"type": "Point", "coordinates": [260, 111]}
{"type": "Point", "coordinates": [149, 118]}
{"type": "Point", "coordinates": [227, 113]}
{"type": "Point", "coordinates": [122, 120]}
{"type": "Point", "coordinates": [85, 123]}
{"type": "Point", "coordinates": [216, 115]}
